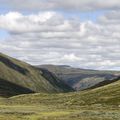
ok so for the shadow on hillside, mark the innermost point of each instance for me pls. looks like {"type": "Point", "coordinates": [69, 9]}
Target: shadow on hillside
{"type": "Point", "coordinates": [104, 83]}
{"type": "Point", "coordinates": [8, 89]}
{"type": "Point", "coordinates": [12, 65]}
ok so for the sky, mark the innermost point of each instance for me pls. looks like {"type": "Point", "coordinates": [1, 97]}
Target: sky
{"type": "Point", "coordinates": [79, 33]}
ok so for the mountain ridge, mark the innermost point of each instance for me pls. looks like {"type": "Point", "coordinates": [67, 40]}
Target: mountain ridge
{"type": "Point", "coordinates": [29, 77]}
{"type": "Point", "coordinates": [80, 79]}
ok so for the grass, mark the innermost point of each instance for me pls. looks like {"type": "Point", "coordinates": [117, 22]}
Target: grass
{"type": "Point", "coordinates": [99, 104]}
{"type": "Point", "coordinates": [42, 112]}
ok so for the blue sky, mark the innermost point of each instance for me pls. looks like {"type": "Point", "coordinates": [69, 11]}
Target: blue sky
{"type": "Point", "coordinates": [3, 34]}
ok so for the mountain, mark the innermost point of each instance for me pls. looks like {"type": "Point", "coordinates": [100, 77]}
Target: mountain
{"type": "Point", "coordinates": [80, 79]}
{"type": "Point", "coordinates": [17, 77]}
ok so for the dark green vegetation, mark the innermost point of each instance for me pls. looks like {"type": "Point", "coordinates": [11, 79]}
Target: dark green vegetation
{"type": "Point", "coordinates": [97, 104]}
{"type": "Point", "coordinates": [80, 79]}
{"type": "Point", "coordinates": [17, 77]}
{"type": "Point", "coordinates": [8, 89]}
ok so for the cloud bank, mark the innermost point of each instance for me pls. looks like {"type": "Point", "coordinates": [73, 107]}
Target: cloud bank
{"type": "Point", "coordinates": [67, 5]}
{"type": "Point", "coordinates": [51, 38]}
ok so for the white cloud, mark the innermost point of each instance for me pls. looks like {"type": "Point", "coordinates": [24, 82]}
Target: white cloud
{"type": "Point", "coordinates": [50, 38]}
{"type": "Point", "coordinates": [81, 5]}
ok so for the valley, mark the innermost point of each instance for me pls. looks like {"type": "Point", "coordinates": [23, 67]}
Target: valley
{"type": "Point", "coordinates": [59, 59]}
{"type": "Point", "coordinates": [80, 79]}
{"type": "Point", "coordinates": [30, 93]}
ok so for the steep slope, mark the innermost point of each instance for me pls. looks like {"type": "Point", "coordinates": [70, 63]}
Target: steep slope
{"type": "Point", "coordinates": [80, 79]}
{"type": "Point", "coordinates": [14, 72]}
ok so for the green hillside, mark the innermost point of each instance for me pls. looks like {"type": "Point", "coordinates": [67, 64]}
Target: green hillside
{"type": "Point", "coordinates": [107, 95]}
{"type": "Point", "coordinates": [14, 72]}
{"type": "Point", "coordinates": [80, 79]}
{"type": "Point", "coordinates": [98, 104]}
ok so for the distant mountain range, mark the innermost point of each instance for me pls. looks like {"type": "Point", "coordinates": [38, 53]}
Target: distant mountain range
{"type": "Point", "coordinates": [80, 79]}
{"type": "Point", "coordinates": [17, 77]}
